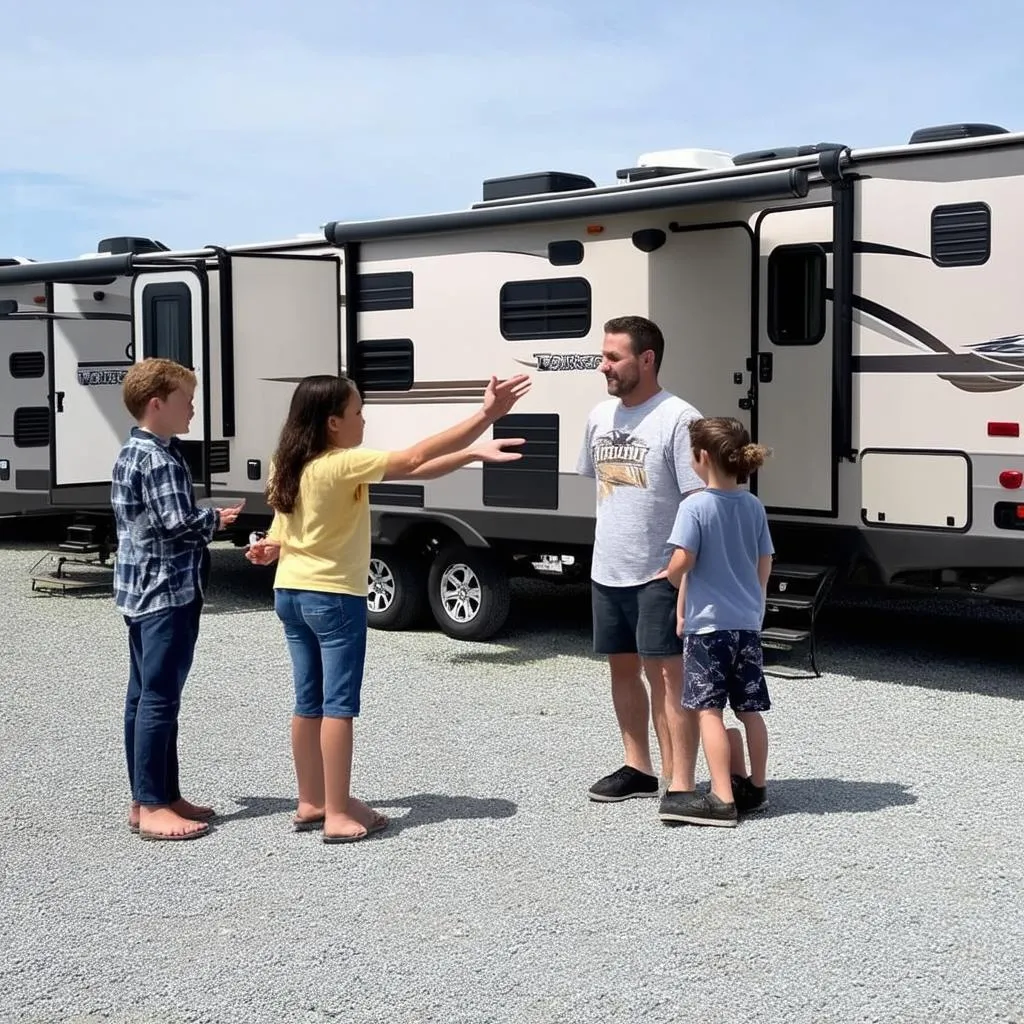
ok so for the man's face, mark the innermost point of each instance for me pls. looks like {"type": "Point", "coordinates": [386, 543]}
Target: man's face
{"type": "Point", "coordinates": [619, 365]}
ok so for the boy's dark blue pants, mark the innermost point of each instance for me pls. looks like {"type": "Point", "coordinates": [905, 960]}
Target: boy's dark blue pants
{"type": "Point", "coordinates": [161, 646]}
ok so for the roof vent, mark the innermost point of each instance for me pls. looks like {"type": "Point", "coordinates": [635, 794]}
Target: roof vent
{"type": "Point", "coordinates": [674, 161]}
{"type": "Point", "coordinates": [758, 156]}
{"type": "Point", "coordinates": [128, 243]}
{"type": "Point", "coordinates": [948, 132]}
{"type": "Point", "coordinates": [538, 183]}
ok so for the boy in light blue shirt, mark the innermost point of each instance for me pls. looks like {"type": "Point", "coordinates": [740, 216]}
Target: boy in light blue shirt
{"type": "Point", "coordinates": [721, 564]}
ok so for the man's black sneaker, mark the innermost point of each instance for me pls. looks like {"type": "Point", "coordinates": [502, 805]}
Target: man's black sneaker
{"type": "Point", "coordinates": [699, 809]}
{"type": "Point", "coordinates": [677, 803]}
{"type": "Point", "coordinates": [749, 798]}
{"type": "Point", "coordinates": [623, 785]}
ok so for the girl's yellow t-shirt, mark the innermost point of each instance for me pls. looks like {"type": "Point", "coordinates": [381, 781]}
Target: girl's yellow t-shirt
{"type": "Point", "coordinates": [325, 540]}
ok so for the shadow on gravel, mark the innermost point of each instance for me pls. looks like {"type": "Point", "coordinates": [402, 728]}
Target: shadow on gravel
{"type": "Point", "coordinates": [834, 796]}
{"type": "Point", "coordinates": [945, 645]}
{"type": "Point", "coordinates": [257, 807]}
{"type": "Point", "coordinates": [434, 808]}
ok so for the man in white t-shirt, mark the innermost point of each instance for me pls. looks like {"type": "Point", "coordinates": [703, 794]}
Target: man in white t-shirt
{"type": "Point", "coordinates": [637, 447]}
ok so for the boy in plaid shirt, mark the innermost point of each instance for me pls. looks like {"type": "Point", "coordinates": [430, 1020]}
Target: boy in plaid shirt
{"type": "Point", "coordinates": [161, 570]}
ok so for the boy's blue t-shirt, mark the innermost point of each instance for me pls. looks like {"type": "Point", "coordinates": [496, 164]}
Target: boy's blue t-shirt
{"type": "Point", "coordinates": [727, 531]}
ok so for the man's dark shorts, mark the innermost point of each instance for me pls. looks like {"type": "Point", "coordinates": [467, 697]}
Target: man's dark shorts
{"type": "Point", "coordinates": [636, 620]}
{"type": "Point", "coordinates": [725, 665]}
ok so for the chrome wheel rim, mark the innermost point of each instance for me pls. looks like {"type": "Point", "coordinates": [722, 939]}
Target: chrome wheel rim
{"type": "Point", "coordinates": [461, 593]}
{"type": "Point", "coordinates": [382, 586]}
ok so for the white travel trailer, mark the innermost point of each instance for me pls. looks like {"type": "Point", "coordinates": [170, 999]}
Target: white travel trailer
{"type": "Point", "coordinates": [24, 405]}
{"type": "Point", "coordinates": [38, 318]}
{"type": "Point", "coordinates": [857, 309]}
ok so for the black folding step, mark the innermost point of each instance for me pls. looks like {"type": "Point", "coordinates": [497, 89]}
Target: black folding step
{"type": "Point", "coordinates": [796, 593]}
{"type": "Point", "coordinates": [784, 637]}
{"type": "Point", "coordinates": [799, 602]}
{"type": "Point", "coordinates": [789, 571]}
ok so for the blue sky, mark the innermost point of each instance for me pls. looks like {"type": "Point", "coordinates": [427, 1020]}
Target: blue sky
{"type": "Point", "coordinates": [231, 121]}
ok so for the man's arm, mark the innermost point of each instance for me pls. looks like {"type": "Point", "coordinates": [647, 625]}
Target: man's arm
{"type": "Point", "coordinates": [499, 399]}
{"type": "Point", "coordinates": [681, 457]}
{"type": "Point", "coordinates": [171, 505]}
{"type": "Point", "coordinates": [585, 459]}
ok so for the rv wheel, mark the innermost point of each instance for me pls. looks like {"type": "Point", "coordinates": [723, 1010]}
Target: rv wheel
{"type": "Point", "coordinates": [395, 591]}
{"type": "Point", "coordinates": [468, 592]}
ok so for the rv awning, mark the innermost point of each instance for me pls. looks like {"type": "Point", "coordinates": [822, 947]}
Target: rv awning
{"type": "Point", "coordinates": [784, 184]}
{"type": "Point", "coordinates": [67, 270]}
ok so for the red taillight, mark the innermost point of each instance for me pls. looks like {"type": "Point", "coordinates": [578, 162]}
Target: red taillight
{"type": "Point", "coordinates": [1004, 430]}
{"type": "Point", "coordinates": [1011, 478]}
{"type": "Point", "coordinates": [1020, 511]}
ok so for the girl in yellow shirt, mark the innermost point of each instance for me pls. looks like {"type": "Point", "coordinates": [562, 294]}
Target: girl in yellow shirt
{"type": "Point", "coordinates": [320, 537]}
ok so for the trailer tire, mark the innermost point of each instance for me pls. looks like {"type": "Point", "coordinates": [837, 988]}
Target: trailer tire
{"type": "Point", "coordinates": [396, 591]}
{"type": "Point", "coordinates": [468, 590]}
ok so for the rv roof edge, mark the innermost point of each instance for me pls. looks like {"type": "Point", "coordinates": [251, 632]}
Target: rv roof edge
{"type": "Point", "coordinates": [67, 270]}
{"type": "Point", "coordinates": [791, 183]}
{"type": "Point", "coordinates": [682, 176]}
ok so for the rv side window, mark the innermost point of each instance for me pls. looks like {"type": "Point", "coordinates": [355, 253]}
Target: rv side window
{"type": "Point", "coordinates": [385, 364]}
{"type": "Point", "coordinates": [961, 234]}
{"type": "Point", "coordinates": [554, 308]}
{"type": "Point", "coordinates": [385, 291]}
{"type": "Point", "coordinates": [796, 295]}
{"type": "Point", "coordinates": [167, 322]}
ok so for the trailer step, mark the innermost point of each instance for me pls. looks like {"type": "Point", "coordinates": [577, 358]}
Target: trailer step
{"type": "Point", "coordinates": [788, 637]}
{"type": "Point", "coordinates": [800, 603]}
{"type": "Point", "coordinates": [80, 547]}
{"type": "Point", "coordinates": [790, 571]}
{"type": "Point", "coordinates": [795, 590]}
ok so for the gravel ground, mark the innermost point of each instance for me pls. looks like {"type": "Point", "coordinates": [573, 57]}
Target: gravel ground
{"type": "Point", "coordinates": [883, 885]}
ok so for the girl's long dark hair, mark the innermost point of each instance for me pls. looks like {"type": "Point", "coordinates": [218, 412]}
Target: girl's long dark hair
{"type": "Point", "coordinates": [304, 435]}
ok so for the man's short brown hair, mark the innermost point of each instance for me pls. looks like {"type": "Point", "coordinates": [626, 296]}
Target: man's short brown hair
{"type": "Point", "coordinates": [644, 336]}
{"type": "Point", "coordinates": [153, 378]}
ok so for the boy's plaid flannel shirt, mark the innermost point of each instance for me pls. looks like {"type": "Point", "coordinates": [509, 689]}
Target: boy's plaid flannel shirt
{"type": "Point", "coordinates": [162, 535]}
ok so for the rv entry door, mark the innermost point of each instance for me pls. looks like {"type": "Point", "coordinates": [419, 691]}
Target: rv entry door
{"type": "Point", "coordinates": [169, 323]}
{"type": "Point", "coordinates": [90, 351]}
{"type": "Point", "coordinates": [793, 363]}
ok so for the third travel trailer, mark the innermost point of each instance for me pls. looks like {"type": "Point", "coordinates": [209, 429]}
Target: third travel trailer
{"type": "Point", "coordinates": [857, 309]}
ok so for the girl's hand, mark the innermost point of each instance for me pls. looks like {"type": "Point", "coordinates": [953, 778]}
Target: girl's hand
{"type": "Point", "coordinates": [501, 396]}
{"type": "Point", "coordinates": [263, 552]}
{"type": "Point", "coordinates": [494, 451]}
{"type": "Point", "coordinates": [680, 625]}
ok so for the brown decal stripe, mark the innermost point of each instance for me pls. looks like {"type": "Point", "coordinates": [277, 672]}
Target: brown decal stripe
{"type": "Point", "coordinates": [425, 392]}
{"type": "Point", "coordinates": [432, 392]}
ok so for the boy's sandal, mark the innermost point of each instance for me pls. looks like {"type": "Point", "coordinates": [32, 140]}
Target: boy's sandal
{"type": "Point", "coordinates": [380, 822]}
{"type": "Point", "coordinates": [160, 837]}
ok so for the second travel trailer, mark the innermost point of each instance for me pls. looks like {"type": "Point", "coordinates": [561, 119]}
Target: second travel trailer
{"type": "Point", "coordinates": [24, 404]}
{"type": "Point", "coordinates": [857, 309]}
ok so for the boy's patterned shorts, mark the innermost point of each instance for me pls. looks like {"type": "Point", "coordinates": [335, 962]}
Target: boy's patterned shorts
{"type": "Point", "coordinates": [726, 664]}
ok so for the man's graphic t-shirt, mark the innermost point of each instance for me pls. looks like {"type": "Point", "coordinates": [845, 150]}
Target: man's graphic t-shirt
{"type": "Point", "coordinates": [640, 458]}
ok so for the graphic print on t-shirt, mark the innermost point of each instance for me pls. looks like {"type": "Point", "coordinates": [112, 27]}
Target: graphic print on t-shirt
{"type": "Point", "coordinates": [620, 461]}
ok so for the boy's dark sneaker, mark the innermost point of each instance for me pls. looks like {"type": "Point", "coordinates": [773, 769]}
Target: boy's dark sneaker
{"type": "Point", "coordinates": [624, 784]}
{"type": "Point", "coordinates": [677, 803]}
{"type": "Point", "coordinates": [749, 798]}
{"type": "Point", "coordinates": [699, 809]}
